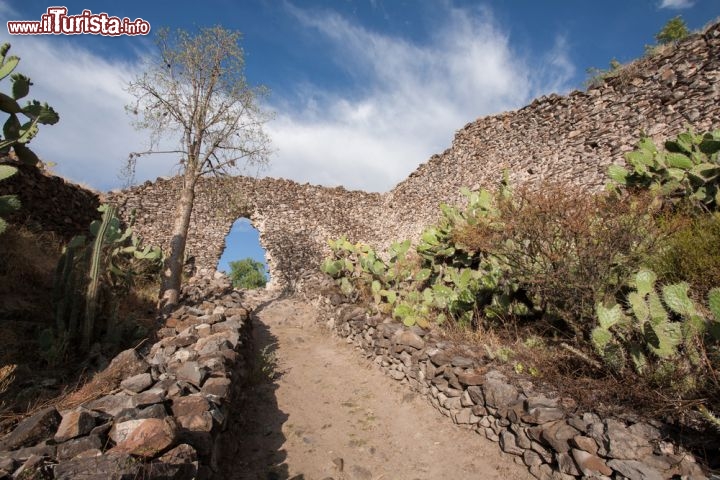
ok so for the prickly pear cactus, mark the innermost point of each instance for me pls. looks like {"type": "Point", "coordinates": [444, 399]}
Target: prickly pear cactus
{"type": "Point", "coordinates": [16, 133]}
{"type": "Point", "coordinates": [688, 168]}
{"type": "Point", "coordinates": [8, 203]}
{"type": "Point", "coordinates": [654, 324]}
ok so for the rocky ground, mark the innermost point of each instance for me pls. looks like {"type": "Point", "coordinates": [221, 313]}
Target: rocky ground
{"type": "Point", "coordinates": [329, 413]}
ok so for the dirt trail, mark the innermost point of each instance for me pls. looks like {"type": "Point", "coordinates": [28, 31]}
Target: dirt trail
{"type": "Point", "coordinates": [330, 414]}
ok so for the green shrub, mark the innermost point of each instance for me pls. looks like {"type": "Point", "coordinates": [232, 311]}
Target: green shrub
{"type": "Point", "coordinates": [673, 31]}
{"type": "Point", "coordinates": [596, 76]}
{"type": "Point", "coordinates": [247, 273]}
{"type": "Point", "coordinates": [690, 252]}
{"type": "Point", "coordinates": [663, 331]}
{"type": "Point", "coordinates": [563, 249]}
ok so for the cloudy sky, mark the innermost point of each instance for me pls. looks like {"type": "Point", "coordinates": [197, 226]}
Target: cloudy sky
{"type": "Point", "coordinates": [363, 90]}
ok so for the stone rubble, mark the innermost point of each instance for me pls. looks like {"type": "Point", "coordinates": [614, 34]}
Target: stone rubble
{"type": "Point", "coordinates": [171, 404]}
{"type": "Point", "coordinates": [553, 441]}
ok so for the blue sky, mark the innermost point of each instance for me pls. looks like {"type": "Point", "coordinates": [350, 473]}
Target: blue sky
{"type": "Point", "coordinates": [243, 241]}
{"type": "Point", "coordinates": [363, 90]}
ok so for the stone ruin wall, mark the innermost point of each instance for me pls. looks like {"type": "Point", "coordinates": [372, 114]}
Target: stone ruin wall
{"type": "Point", "coordinates": [50, 203]}
{"type": "Point", "coordinates": [569, 138]}
{"type": "Point", "coordinates": [294, 220]}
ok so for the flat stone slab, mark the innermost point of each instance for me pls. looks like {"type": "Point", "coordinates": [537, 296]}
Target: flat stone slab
{"type": "Point", "coordinates": [32, 430]}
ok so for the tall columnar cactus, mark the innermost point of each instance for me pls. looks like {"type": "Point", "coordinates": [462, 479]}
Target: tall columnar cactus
{"type": "Point", "coordinates": [67, 287]}
{"type": "Point", "coordinates": [15, 133]}
{"type": "Point", "coordinates": [96, 265]}
{"type": "Point", "coordinates": [688, 168]}
{"type": "Point", "coordinates": [8, 203]}
{"type": "Point", "coordinates": [87, 266]}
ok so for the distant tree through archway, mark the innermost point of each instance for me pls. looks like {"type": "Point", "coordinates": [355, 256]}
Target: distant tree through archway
{"type": "Point", "coordinates": [242, 242]}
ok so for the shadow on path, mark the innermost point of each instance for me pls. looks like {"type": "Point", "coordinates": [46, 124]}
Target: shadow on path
{"type": "Point", "coordinates": [252, 445]}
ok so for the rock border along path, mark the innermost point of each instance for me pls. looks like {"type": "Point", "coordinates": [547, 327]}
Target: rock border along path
{"type": "Point", "coordinates": [153, 413]}
{"type": "Point", "coordinates": [200, 404]}
{"type": "Point", "coordinates": [548, 433]}
{"type": "Point", "coordinates": [329, 414]}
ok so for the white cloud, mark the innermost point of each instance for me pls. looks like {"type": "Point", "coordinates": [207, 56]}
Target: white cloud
{"type": "Point", "coordinates": [414, 98]}
{"type": "Point", "coordinates": [407, 101]}
{"type": "Point", "coordinates": [94, 135]}
{"type": "Point", "coordinates": [676, 4]}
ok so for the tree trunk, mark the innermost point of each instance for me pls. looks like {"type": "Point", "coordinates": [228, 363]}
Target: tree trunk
{"type": "Point", "coordinates": [172, 270]}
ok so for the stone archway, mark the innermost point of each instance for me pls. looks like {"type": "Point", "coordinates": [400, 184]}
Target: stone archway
{"type": "Point", "coordinates": [294, 221]}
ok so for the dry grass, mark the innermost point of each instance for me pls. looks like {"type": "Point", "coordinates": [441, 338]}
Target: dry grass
{"type": "Point", "coordinates": [27, 265]}
{"type": "Point", "coordinates": [27, 259]}
{"type": "Point", "coordinates": [28, 381]}
{"type": "Point", "coordinates": [582, 382]}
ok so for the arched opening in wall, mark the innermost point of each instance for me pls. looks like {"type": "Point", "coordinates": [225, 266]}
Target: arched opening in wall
{"type": "Point", "coordinates": [243, 259]}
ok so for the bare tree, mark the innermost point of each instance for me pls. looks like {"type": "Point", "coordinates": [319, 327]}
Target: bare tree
{"type": "Point", "coordinates": [194, 91]}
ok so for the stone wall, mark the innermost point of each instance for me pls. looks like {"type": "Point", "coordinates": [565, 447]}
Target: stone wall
{"type": "Point", "coordinates": [168, 404]}
{"type": "Point", "coordinates": [548, 433]}
{"type": "Point", "coordinates": [557, 138]}
{"type": "Point", "coordinates": [294, 220]}
{"type": "Point", "coordinates": [569, 138]}
{"type": "Point", "coordinates": [49, 202]}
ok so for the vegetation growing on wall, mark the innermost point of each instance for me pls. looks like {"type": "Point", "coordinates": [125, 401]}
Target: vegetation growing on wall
{"type": "Point", "coordinates": [575, 267]}
{"type": "Point", "coordinates": [671, 33]}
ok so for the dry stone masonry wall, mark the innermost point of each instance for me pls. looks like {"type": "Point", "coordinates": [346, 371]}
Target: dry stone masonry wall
{"type": "Point", "coordinates": [294, 220]}
{"type": "Point", "coordinates": [548, 433]}
{"type": "Point", "coordinates": [569, 138]}
{"type": "Point", "coordinates": [167, 405]}
{"type": "Point", "coordinates": [557, 138]}
{"type": "Point", "coordinates": [50, 202]}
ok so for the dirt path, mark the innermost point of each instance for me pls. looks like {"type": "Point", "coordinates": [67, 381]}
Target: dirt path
{"type": "Point", "coordinates": [331, 414]}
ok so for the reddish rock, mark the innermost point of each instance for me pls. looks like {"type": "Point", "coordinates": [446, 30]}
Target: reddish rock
{"type": "Point", "coordinates": [190, 405]}
{"type": "Point", "coordinates": [180, 463]}
{"type": "Point", "coordinates": [623, 444]}
{"type": "Point", "coordinates": [558, 434]}
{"type": "Point", "coordinates": [585, 443]}
{"type": "Point", "coordinates": [471, 378]}
{"type": "Point", "coordinates": [410, 339]}
{"type": "Point", "coordinates": [589, 464]}
{"type": "Point", "coordinates": [126, 364]}
{"type": "Point", "coordinates": [217, 386]}
{"type": "Point", "coordinates": [566, 464]}
{"type": "Point", "coordinates": [196, 423]}
{"type": "Point", "coordinates": [75, 423]}
{"type": "Point", "coordinates": [148, 438]}
{"type": "Point", "coordinates": [540, 415]}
